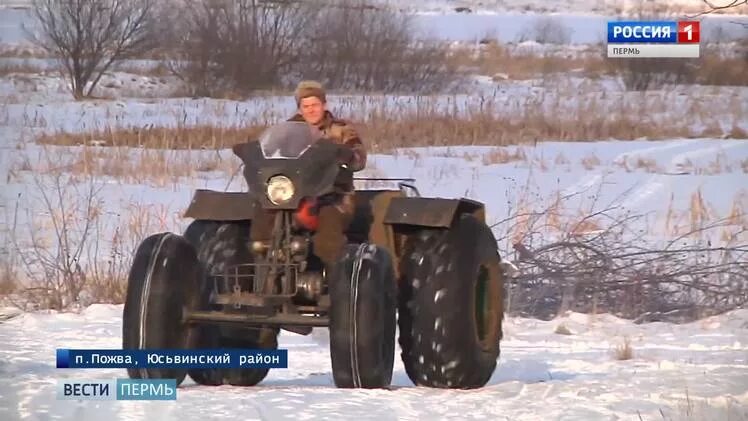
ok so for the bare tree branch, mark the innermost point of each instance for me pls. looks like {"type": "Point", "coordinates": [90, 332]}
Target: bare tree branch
{"type": "Point", "coordinates": [88, 36]}
{"type": "Point", "coordinates": [712, 7]}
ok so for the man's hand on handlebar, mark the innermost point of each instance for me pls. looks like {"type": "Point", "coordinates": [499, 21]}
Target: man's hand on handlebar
{"type": "Point", "coordinates": [345, 156]}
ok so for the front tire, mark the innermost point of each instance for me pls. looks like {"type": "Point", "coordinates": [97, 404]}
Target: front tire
{"type": "Point", "coordinates": [221, 245]}
{"type": "Point", "coordinates": [362, 318]}
{"type": "Point", "coordinates": [451, 306]}
{"type": "Point", "coordinates": [161, 287]}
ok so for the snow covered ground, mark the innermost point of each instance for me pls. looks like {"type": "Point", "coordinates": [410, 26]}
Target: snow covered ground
{"type": "Point", "coordinates": [562, 6]}
{"type": "Point", "coordinates": [696, 371]}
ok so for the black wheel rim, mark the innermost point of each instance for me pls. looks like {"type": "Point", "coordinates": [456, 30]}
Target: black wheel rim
{"type": "Point", "coordinates": [486, 307]}
{"type": "Point", "coordinates": [481, 305]}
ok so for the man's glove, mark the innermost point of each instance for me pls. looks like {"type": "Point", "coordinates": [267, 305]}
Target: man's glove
{"type": "Point", "coordinates": [345, 155]}
{"type": "Point", "coordinates": [344, 179]}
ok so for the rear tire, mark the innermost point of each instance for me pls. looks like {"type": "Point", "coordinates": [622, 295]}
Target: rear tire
{"type": "Point", "coordinates": [451, 306]}
{"type": "Point", "coordinates": [362, 318]}
{"type": "Point", "coordinates": [162, 286]}
{"type": "Point", "coordinates": [220, 245]}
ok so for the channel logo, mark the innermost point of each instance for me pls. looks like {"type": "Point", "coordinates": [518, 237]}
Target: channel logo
{"type": "Point", "coordinates": [117, 389]}
{"type": "Point", "coordinates": [654, 39]}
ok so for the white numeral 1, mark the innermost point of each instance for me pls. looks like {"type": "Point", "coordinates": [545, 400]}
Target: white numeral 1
{"type": "Point", "coordinates": [689, 31]}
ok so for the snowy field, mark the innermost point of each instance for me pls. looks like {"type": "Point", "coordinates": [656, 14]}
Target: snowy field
{"type": "Point", "coordinates": [585, 7]}
{"type": "Point", "coordinates": [697, 371]}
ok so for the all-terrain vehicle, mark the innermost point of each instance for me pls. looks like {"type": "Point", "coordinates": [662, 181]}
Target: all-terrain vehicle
{"type": "Point", "coordinates": [429, 266]}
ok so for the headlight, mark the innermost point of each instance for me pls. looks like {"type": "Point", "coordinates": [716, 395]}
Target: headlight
{"type": "Point", "coordinates": [280, 189]}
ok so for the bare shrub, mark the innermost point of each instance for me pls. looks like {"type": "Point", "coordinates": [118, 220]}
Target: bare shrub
{"type": "Point", "coordinates": [240, 45]}
{"type": "Point", "coordinates": [624, 351]}
{"type": "Point", "coordinates": [107, 273]}
{"type": "Point", "coordinates": [64, 251]}
{"type": "Point", "coordinates": [89, 36]}
{"type": "Point", "coordinates": [232, 47]}
{"type": "Point", "coordinates": [547, 30]}
{"type": "Point", "coordinates": [712, 6]}
{"type": "Point", "coordinates": [642, 74]}
{"type": "Point", "coordinates": [352, 46]}
{"type": "Point", "coordinates": [53, 260]}
{"type": "Point", "coordinates": [618, 268]}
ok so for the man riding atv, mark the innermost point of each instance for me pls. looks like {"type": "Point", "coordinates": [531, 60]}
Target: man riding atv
{"type": "Point", "coordinates": [334, 212]}
{"type": "Point", "coordinates": [426, 267]}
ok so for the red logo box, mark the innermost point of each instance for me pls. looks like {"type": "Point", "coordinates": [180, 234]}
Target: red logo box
{"type": "Point", "coordinates": [688, 32]}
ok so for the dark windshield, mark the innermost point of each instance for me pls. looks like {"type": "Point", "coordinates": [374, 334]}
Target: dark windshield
{"type": "Point", "coordinates": [287, 140]}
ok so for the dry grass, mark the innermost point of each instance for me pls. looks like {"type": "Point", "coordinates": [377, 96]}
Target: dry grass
{"type": "Point", "coordinates": [699, 214]}
{"type": "Point", "coordinates": [503, 156]}
{"type": "Point", "coordinates": [589, 162]}
{"type": "Point", "coordinates": [496, 60]}
{"type": "Point", "coordinates": [15, 68]}
{"type": "Point", "coordinates": [739, 210]}
{"type": "Point", "coordinates": [155, 167]}
{"type": "Point", "coordinates": [719, 165]}
{"type": "Point", "coordinates": [502, 62]}
{"type": "Point", "coordinates": [585, 224]}
{"type": "Point", "coordinates": [563, 114]}
{"type": "Point", "coordinates": [647, 164]}
{"type": "Point", "coordinates": [160, 70]}
{"type": "Point", "coordinates": [22, 51]}
{"type": "Point", "coordinates": [624, 351]}
{"type": "Point", "coordinates": [716, 70]}
{"type": "Point", "coordinates": [561, 159]}
{"type": "Point", "coordinates": [198, 137]}
{"type": "Point", "coordinates": [561, 329]}
{"type": "Point", "coordinates": [87, 263]}
{"type": "Point", "coordinates": [8, 280]}
{"type": "Point", "coordinates": [404, 131]}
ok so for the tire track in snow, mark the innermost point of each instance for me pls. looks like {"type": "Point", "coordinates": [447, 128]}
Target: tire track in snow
{"type": "Point", "coordinates": [596, 177]}
{"type": "Point", "coordinates": [663, 181]}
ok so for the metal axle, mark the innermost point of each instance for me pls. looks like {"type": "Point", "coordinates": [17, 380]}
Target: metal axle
{"type": "Point", "coordinates": [276, 320]}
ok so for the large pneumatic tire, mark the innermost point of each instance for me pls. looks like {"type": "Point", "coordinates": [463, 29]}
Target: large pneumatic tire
{"type": "Point", "coordinates": [363, 318]}
{"type": "Point", "coordinates": [220, 245]}
{"type": "Point", "coordinates": [451, 306]}
{"type": "Point", "coordinates": [162, 284]}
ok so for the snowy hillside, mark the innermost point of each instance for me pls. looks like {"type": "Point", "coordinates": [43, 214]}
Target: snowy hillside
{"type": "Point", "coordinates": [569, 368]}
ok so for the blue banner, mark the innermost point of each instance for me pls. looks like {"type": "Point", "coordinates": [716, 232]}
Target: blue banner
{"type": "Point", "coordinates": [655, 32]}
{"type": "Point", "coordinates": [172, 358]}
